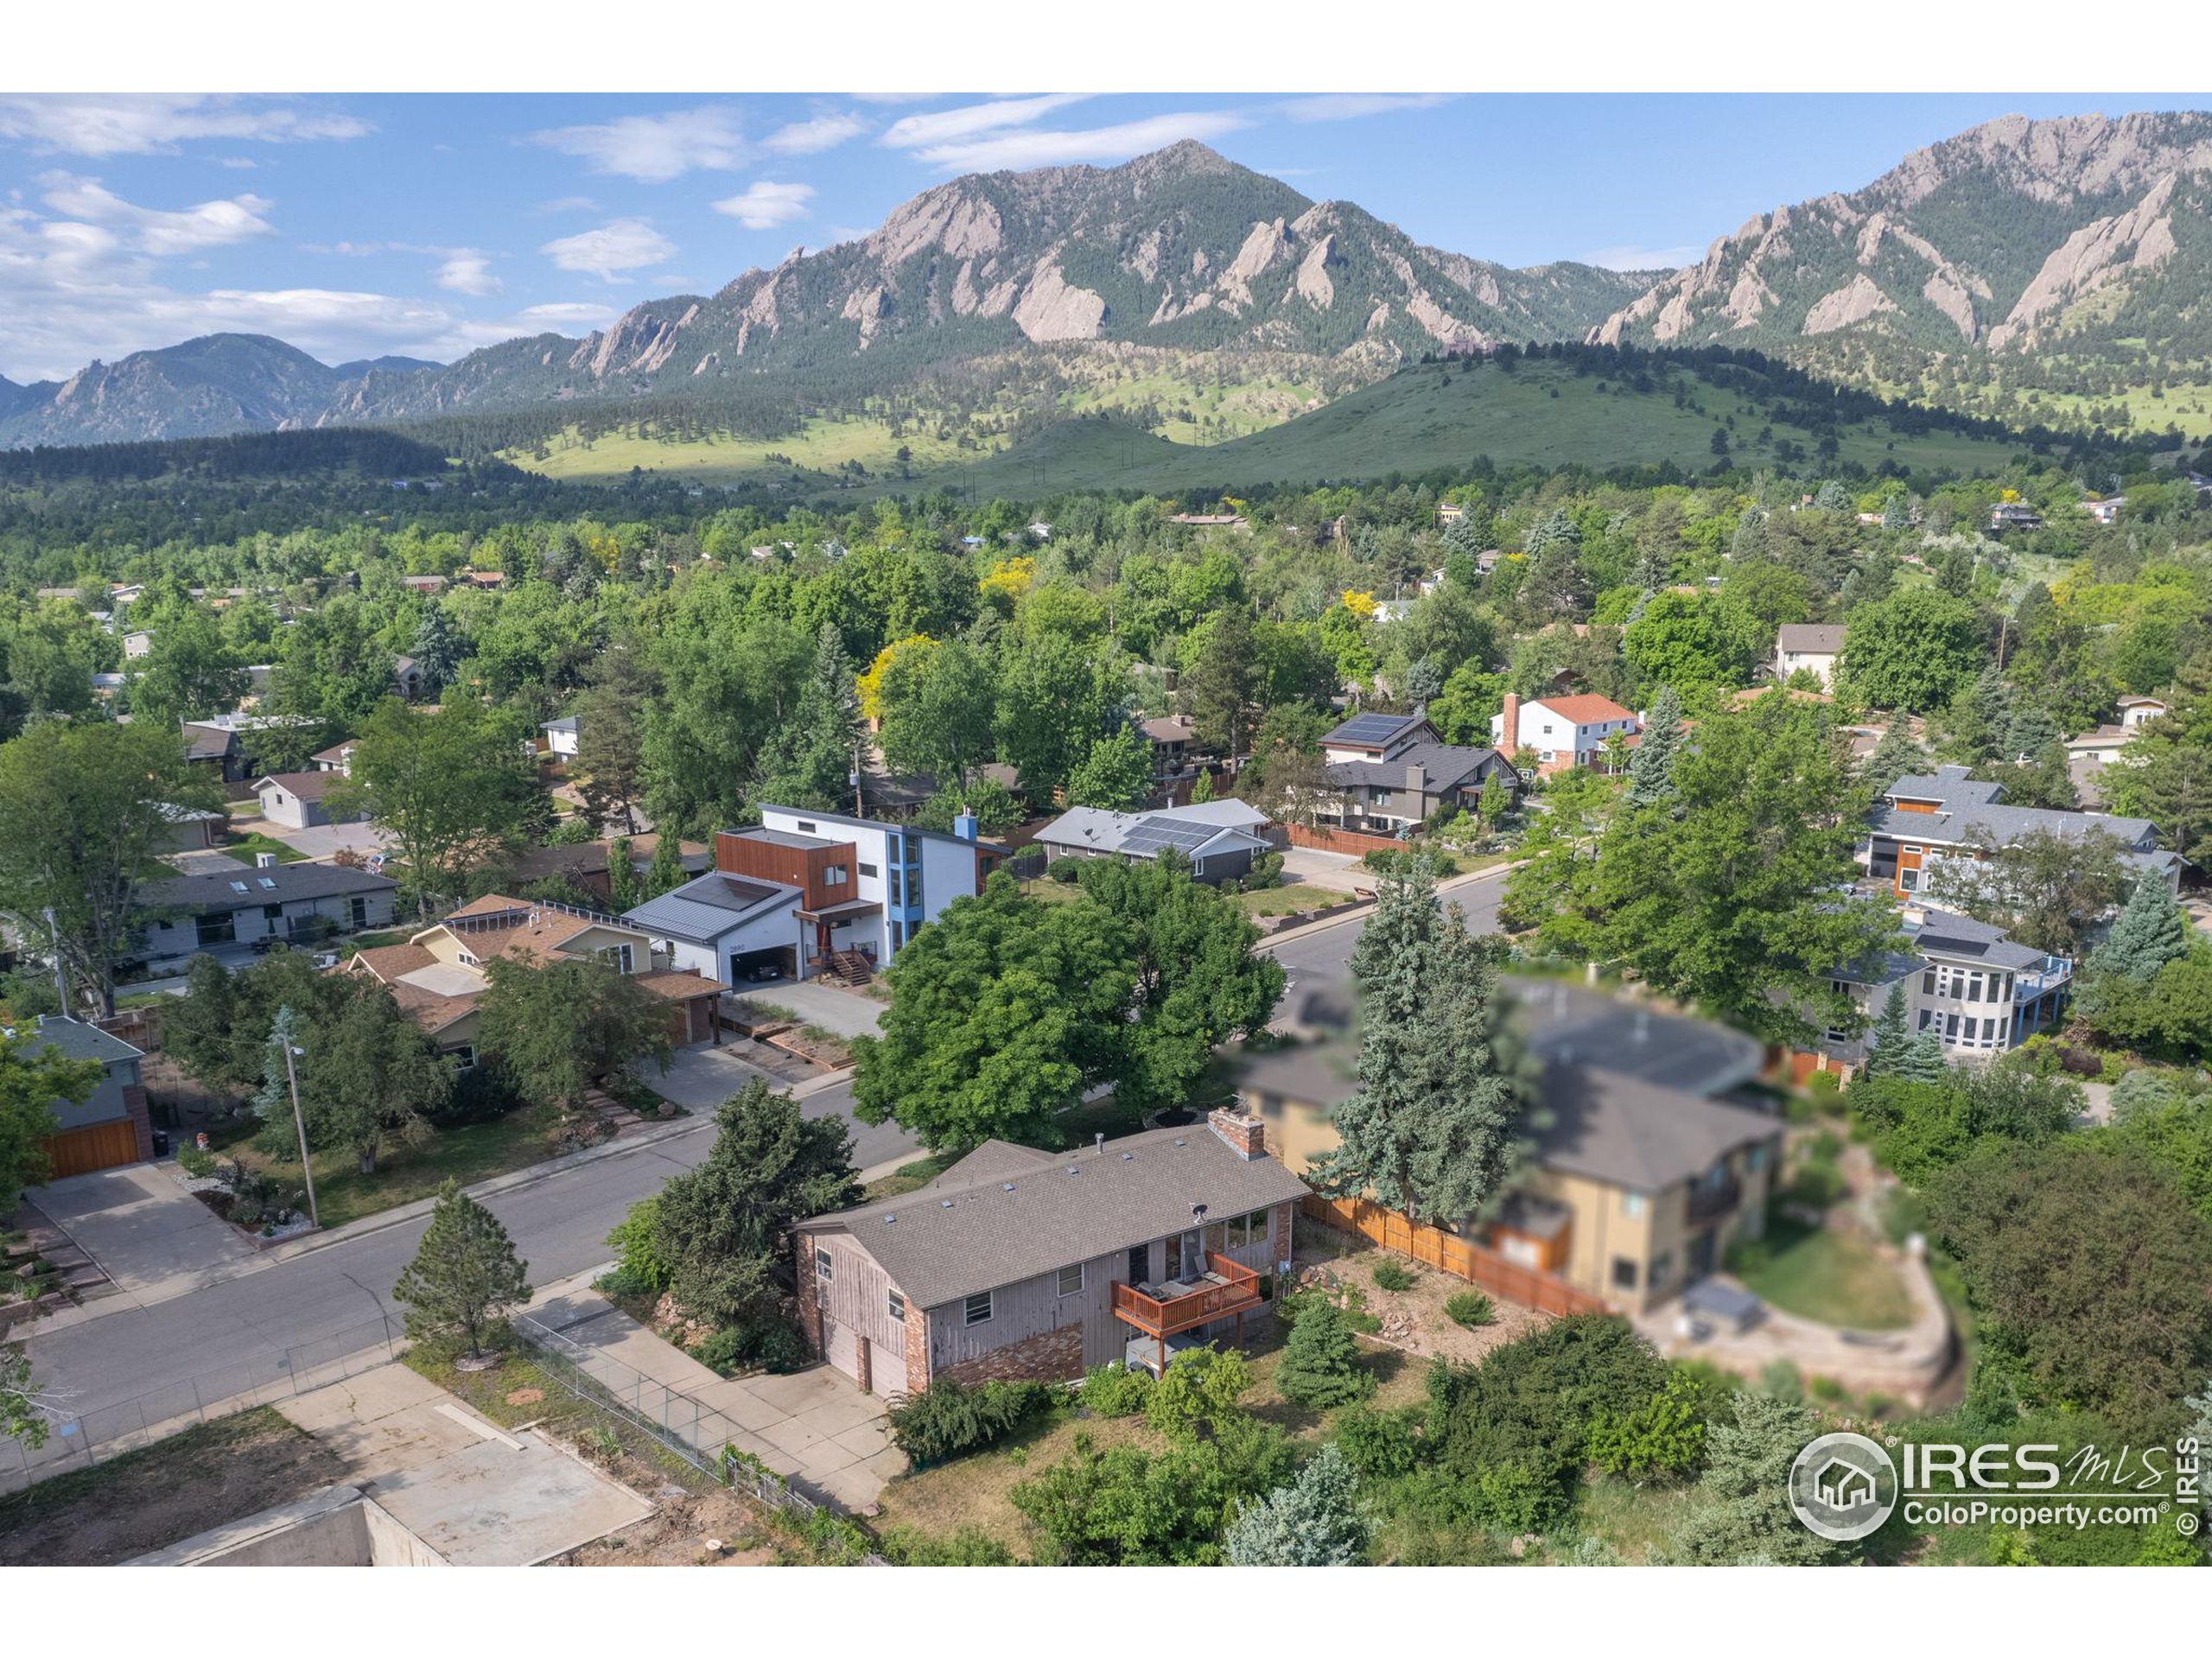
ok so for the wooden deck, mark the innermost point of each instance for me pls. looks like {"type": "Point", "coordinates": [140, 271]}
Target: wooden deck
{"type": "Point", "coordinates": [1230, 1288]}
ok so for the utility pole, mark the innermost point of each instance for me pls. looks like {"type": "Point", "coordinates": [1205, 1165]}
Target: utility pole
{"type": "Point", "coordinates": [60, 973]}
{"type": "Point", "coordinates": [299, 1120]}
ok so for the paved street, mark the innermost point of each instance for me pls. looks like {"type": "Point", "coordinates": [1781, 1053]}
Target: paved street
{"type": "Point", "coordinates": [240, 1328]}
{"type": "Point", "coordinates": [1321, 959]}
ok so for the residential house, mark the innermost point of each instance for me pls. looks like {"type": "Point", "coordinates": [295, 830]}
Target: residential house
{"type": "Point", "coordinates": [136, 646]}
{"type": "Point", "coordinates": [408, 681]}
{"type": "Point", "coordinates": [110, 1125]}
{"type": "Point", "coordinates": [847, 893]}
{"type": "Point", "coordinates": [1812, 646]}
{"type": "Point", "coordinates": [423, 584]}
{"type": "Point", "coordinates": [1391, 773]}
{"type": "Point", "coordinates": [2098, 745]}
{"type": "Point", "coordinates": [2013, 515]}
{"type": "Point", "coordinates": [294, 799]}
{"type": "Point", "coordinates": [1220, 838]}
{"type": "Point", "coordinates": [290, 904]}
{"type": "Point", "coordinates": [1017, 1263]}
{"type": "Point", "coordinates": [587, 864]}
{"type": "Point", "coordinates": [438, 977]}
{"type": "Point", "coordinates": [1173, 741]}
{"type": "Point", "coordinates": [2106, 510]}
{"type": "Point", "coordinates": [1978, 989]}
{"type": "Point", "coordinates": [1634, 1189]}
{"type": "Point", "coordinates": [559, 739]}
{"type": "Point", "coordinates": [1209, 520]}
{"type": "Point", "coordinates": [338, 758]}
{"type": "Point", "coordinates": [1561, 732]}
{"type": "Point", "coordinates": [1948, 815]}
{"type": "Point", "coordinates": [193, 828]}
{"type": "Point", "coordinates": [225, 747]}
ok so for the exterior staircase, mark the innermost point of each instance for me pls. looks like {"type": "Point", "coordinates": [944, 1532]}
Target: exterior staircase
{"type": "Point", "coordinates": [846, 967]}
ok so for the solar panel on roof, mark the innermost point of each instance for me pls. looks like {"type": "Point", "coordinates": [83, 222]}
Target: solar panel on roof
{"type": "Point", "coordinates": [1369, 729]}
{"type": "Point", "coordinates": [1153, 834]}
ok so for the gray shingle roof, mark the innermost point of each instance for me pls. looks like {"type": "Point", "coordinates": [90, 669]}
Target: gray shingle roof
{"type": "Point", "coordinates": [702, 911]}
{"type": "Point", "coordinates": [1963, 938]}
{"type": "Point", "coordinates": [1810, 639]}
{"type": "Point", "coordinates": [1096, 828]}
{"type": "Point", "coordinates": [1630, 1134]}
{"type": "Point", "coordinates": [1444, 766]}
{"type": "Point", "coordinates": [1970, 813]}
{"type": "Point", "coordinates": [950, 1241]}
{"type": "Point", "coordinates": [215, 891]}
{"type": "Point", "coordinates": [76, 1040]}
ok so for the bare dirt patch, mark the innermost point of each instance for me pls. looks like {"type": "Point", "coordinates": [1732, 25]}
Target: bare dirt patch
{"type": "Point", "coordinates": [1413, 1320]}
{"type": "Point", "coordinates": [211, 1474]}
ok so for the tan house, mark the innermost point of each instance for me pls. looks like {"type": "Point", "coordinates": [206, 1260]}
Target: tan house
{"type": "Point", "coordinates": [438, 977]}
{"type": "Point", "coordinates": [1634, 1190]}
{"type": "Point", "coordinates": [1018, 1263]}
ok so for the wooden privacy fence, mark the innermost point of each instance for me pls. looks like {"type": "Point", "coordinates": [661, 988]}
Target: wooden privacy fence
{"type": "Point", "coordinates": [1481, 1267]}
{"type": "Point", "coordinates": [1328, 839]}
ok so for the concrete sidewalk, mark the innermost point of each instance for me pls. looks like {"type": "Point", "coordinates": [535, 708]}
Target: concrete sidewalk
{"type": "Point", "coordinates": [815, 1427]}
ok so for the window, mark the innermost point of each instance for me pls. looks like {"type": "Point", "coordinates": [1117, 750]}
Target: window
{"type": "Point", "coordinates": [1624, 1273]}
{"type": "Point", "coordinates": [805, 828]}
{"type": "Point", "coordinates": [1662, 1266]}
{"type": "Point", "coordinates": [1140, 1263]}
{"type": "Point", "coordinates": [977, 1310]}
{"type": "Point", "coordinates": [1632, 1204]}
{"type": "Point", "coordinates": [898, 934]}
{"type": "Point", "coordinates": [237, 886]}
{"type": "Point", "coordinates": [272, 913]}
{"type": "Point", "coordinates": [834, 876]}
{"type": "Point", "coordinates": [1256, 1227]}
{"type": "Point", "coordinates": [359, 912]}
{"type": "Point", "coordinates": [825, 1265]}
{"type": "Point", "coordinates": [621, 956]}
{"type": "Point", "coordinates": [1908, 880]}
{"type": "Point", "coordinates": [869, 869]}
{"type": "Point", "coordinates": [465, 1058]}
{"type": "Point", "coordinates": [267, 885]}
{"type": "Point", "coordinates": [1927, 983]}
{"type": "Point", "coordinates": [1072, 1279]}
{"type": "Point", "coordinates": [220, 928]}
{"type": "Point", "coordinates": [895, 1305]}
{"type": "Point", "coordinates": [896, 892]}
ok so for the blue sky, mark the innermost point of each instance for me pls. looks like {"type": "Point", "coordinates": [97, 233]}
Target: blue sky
{"type": "Point", "coordinates": [428, 226]}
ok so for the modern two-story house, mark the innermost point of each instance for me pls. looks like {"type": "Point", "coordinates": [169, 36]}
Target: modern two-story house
{"type": "Point", "coordinates": [1979, 990]}
{"type": "Point", "coordinates": [1017, 1263]}
{"type": "Point", "coordinates": [805, 892]}
{"type": "Point", "coordinates": [1561, 732]}
{"type": "Point", "coordinates": [1391, 773]}
{"type": "Point", "coordinates": [1926, 820]}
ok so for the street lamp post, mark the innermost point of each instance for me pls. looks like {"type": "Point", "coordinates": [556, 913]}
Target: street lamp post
{"type": "Point", "coordinates": [300, 1124]}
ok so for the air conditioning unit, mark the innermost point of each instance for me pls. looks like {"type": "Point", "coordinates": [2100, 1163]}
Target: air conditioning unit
{"type": "Point", "coordinates": [265, 861]}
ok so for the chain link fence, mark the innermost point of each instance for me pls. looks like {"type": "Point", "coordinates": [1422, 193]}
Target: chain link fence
{"type": "Point", "coordinates": [80, 1440]}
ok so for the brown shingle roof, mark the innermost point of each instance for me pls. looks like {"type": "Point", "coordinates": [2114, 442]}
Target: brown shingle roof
{"type": "Point", "coordinates": [388, 962]}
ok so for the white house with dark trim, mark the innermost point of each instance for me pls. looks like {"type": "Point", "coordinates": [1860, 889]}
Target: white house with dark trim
{"type": "Point", "coordinates": [1220, 838]}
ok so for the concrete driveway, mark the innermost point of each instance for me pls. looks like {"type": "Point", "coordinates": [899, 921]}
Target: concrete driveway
{"type": "Point", "coordinates": [326, 839]}
{"type": "Point", "coordinates": [818, 1004]}
{"type": "Point", "coordinates": [702, 1077]}
{"type": "Point", "coordinates": [1335, 871]}
{"type": "Point", "coordinates": [148, 1234]}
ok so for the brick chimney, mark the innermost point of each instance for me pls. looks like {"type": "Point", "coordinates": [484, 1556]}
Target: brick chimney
{"type": "Point", "coordinates": [1247, 1136]}
{"type": "Point", "coordinates": [1508, 740]}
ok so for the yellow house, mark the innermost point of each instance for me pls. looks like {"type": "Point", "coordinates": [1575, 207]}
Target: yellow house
{"type": "Point", "coordinates": [1634, 1190]}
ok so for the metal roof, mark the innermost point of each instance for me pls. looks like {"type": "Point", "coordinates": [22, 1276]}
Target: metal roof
{"type": "Point", "coordinates": [703, 911]}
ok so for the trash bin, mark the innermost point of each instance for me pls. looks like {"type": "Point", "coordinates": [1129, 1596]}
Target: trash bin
{"type": "Point", "coordinates": [161, 1143]}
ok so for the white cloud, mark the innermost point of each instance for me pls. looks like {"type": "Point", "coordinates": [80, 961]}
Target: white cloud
{"type": "Point", "coordinates": [132, 125]}
{"type": "Point", "coordinates": [567, 204]}
{"type": "Point", "coordinates": [1351, 106]}
{"type": "Point", "coordinates": [617, 245]}
{"type": "Point", "coordinates": [765, 204]}
{"type": "Point", "coordinates": [655, 149]}
{"type": "Point", "coordinates": [467, 271]}
{"type": "Point", "coordinates": [945, 126]}
{"type": "Point", "coordinates": [812, 137]}
{"type": "Point", "coordinates": [1026, 147]}
{"type": "Point", "coordinates": [1631, 257]}
{"type": "Point", "coordinates": [157, 230]}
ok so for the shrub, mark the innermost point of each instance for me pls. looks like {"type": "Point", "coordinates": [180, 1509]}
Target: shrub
{"type": "Point", "coordinates": [1117, 1390]}
{"type": "Point", "coordinates": [948, 1420]}
{"type": "Point", "coordinates": [969, 1546]}
{"type": "Point", "coordinates": [1065, 870]}
{"type": "Point", "coordinates": [195, 1163]}
{"type": "Point", "coordinates": [1201, 1386]}
{"type": "Point", "coordinates": [1469, 1309]}
{"type": "Point", "coordinates": [1662, 1437]}
{"type": "Point", "coordinates": [1266, 872]}
{"type": "Point", "coordinates": [1320, 1364]}
{"type": "Point", "coordinates": [1379, 1445]}
{"type": "Point", "coordinates": [641, 1269]}
{"type": "Point", "coordinates": [1390, 1274]}
{"type": "Point", "coordinates": [482, 1094]}
{"type": "Point", "coordinates": [765, 1344]}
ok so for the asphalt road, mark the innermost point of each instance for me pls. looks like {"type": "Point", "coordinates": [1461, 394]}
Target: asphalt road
{"type": "Point", "coordinates": [235, 1335]}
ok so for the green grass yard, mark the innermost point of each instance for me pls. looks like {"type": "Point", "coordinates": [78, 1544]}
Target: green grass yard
{"type": "Point", "coordinates": [247, 849]}
{"type": "Point", "coordinates": [474, 1152]}
{"type": "Point", "coordinates": [1834, 1275]}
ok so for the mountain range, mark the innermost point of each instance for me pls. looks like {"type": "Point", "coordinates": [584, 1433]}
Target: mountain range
{"type": "Point", "coordinates": [2020, 268]}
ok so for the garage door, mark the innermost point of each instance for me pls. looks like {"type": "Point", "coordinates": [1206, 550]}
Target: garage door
{"type": "Point", "coordinates": [97, 1146]}
{"type": "Point", "coordinates": [886, 1369]}
{"type": "Point", "coordinates": [843, 1348]}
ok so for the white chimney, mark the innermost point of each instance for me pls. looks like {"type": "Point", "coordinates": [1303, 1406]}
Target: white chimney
{"type": "Point", "coordinates": [265, 861]}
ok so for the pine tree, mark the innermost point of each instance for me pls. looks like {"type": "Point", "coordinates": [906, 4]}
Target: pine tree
{"type": "Point", "coordinates": [1321, 1366]}
{"type": "Point", "coordinates": [1202, 788]}
{"type": "Point", "coordinates": [1744, 1514]}
{"type": "Point", "coordinates": [1922, 1060]}
{"type": "Point", "coordinates": [622, 894]}
{"type": "Point", "coordinates": [438, 649]}
{"type": "Point", "coordinates": [1652, 769]}
{"type": "Point", "coordinates": [1315, 1520]}
{"type": "Point", "coordinates": [1890, 1036]}
{"type": "Point", "coordinates": [1445, 1086]}
{"type": "Point", "coordinates": [1896, 514]}
{"type": "Point", "coordinates": [463, 1277]}
{"type": "Point", "coordinates": [2148, 933]}
{"type": "Point", "coordinates": [811, 762]}
{"type": "Point", "coordinates": [666, 872]}
{"type": "Point", "coordinates": [1896, 756]}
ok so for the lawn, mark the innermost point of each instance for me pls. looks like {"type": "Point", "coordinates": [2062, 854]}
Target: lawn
{"type": "Point", "coordinates": [472, 1152]}
{"type": "Point", "coordinates": [247, 849]}
{"type": "Point", "coordinates": [973, 1491]}
{"type": "Point", "coordinates": [1831, 1274]}
{"type": "Point", "coordinates": [211, 1474]}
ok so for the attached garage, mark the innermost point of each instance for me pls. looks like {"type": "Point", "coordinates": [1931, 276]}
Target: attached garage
{"type": "Point", "coordinates": [110, 1126]}
{"type": "Point", "coordinates": [841, 1347]}
{"type": "Point", "coordinates": [886, 1369]}
{"type": "Point", "coordinates": [97, 1146]}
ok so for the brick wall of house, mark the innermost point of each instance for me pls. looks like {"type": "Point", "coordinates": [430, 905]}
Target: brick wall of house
{"type": "Point", "coordinates": [1048, 1356]}
{"type": "Point", "coordinates": [918, 1349]}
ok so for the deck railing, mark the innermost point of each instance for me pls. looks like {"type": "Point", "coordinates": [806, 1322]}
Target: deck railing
{"type": "Point", "coordinates": [1155, 1317]}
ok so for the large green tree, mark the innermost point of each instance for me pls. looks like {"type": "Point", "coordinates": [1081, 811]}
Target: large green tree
{"type": "Point", "coordinates": [450, 785]}
{"type": "Point", "coordinates": [2045, 889]}
{"type": "Point", "coordinates": [810, 761]}
{"type": "Point", "coordinates": [190, 673]}
{"type": "Point", "coordinates": [368, 1076]}
{"type": "Point", "coordinates": [1446, 1089]}
{"type": "Point", "coordinates": [724, 1227]}
{"type": "Point", "coordinates": [1912, 650]}
{"type": "Point", "coordinates": [1741, 1515]}
{"type": "Point", "coordinates": [84, 810]}
{"type": "Point", "coordinates": [1003, 1011]}
{"type": "Point", "coordinates": [560, 1028]}
{"type": "Point", "coordinates": [464, 1276]}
